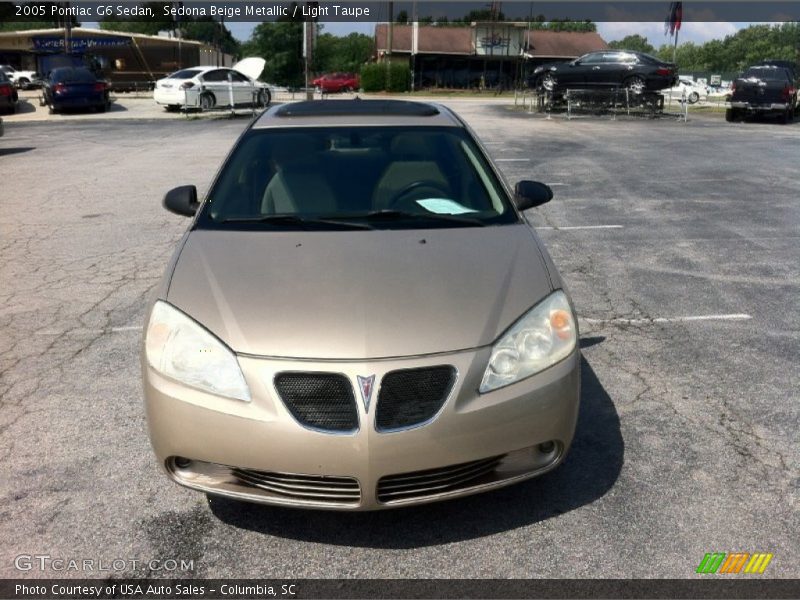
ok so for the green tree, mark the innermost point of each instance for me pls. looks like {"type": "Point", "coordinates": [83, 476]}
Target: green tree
{"type": "Point", "coordinates": [281, 45]}
{"type": "Point", "coordinates": [636, 42]}
{"type": "Point", "coordinates": [562, 25]}
{"type": "Point", "coordinates": [740, 50]}
{"type": "Point", "coordinates": [205, 29]}
{"type": "Point", "coordinates": [346, 53]}
{"type": "Point", "coordinates": [482, 14]}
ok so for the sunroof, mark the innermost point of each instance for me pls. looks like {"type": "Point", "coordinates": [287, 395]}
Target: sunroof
{"type": "Point", "coordinates": [315, 108]}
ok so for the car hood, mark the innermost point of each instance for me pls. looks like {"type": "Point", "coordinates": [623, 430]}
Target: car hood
{"type": "Point", "coordinates": [251, 66]}
{"type": "Point", "coordinates": [359, 294]}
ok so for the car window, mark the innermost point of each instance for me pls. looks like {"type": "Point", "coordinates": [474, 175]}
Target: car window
{"type": "Point", "coordinates": [216, 75]}
{"type": "Point", "coordinates": [185, 74]}
{"type": "Point", "coordinates": [594, 58]}
{"type": "Point", "coordinates": [239, 77]}
{"type": "Point", "coordinates": [766, 73]}
{"type": "Point", "coordinates": [3, 78]}
{"type": "Point", "coordinates": [347, 173]}
{"type": "Point", "coordinates": [621, 57]}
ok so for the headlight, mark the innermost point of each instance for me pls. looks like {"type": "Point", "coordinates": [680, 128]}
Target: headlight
{"type": "Point", "coordinates": [178, 347]}
{"type": "Point", "coordinates": [543, 336]}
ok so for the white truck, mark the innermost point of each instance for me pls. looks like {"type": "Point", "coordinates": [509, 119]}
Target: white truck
{"type": "Point", "coordinates": [21, 79]}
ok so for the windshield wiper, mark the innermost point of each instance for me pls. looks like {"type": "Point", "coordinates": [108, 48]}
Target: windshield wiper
{"type": "Point", "coordinates": [400, 215]}
{"type": "Point", "coordinates": [295, 220]}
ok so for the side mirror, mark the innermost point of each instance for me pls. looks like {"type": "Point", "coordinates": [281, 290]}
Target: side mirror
{"type": "Point", "coordinates": [528, 194]}
{"type": "Point", "coordinates": [182, 200]}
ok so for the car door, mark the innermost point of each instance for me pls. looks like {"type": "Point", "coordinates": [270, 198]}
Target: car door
{"type": "Point", "coordinates": [613, 68]}
{"type": "Point", "coordinates": [583, 72]}
{"type": "Point", "coordinates": [216, 82]}
{"type": "Point", "coordinates": [630, 64]}
{"type": "Point", "coordinates": [243, 88]}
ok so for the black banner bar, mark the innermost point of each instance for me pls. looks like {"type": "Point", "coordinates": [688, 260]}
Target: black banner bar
{"type": "Point", "coordinates": [349, 11]}
{"type": "Point", "coordinates": [712, 587]}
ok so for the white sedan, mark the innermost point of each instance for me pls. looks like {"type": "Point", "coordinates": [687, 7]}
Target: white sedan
{"type": "Point", "coordinates": [209, 87]}
{"type": "Point", "coordinates": [691, 89]}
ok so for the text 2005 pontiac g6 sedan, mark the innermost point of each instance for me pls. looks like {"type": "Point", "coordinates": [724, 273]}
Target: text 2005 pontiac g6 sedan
{"type": "Point", "coordinates": [359, 318]}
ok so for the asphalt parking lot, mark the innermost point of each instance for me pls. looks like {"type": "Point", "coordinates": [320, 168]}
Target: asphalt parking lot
{"type": "Point", "coordinates": [681, 247]}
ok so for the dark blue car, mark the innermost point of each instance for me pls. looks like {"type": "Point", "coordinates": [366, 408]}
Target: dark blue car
{"type": "Point", "coordinates": [74, 87]}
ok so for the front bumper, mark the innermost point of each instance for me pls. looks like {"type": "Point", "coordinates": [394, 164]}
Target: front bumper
{"type": "Point", "coordinates": [256, 451]}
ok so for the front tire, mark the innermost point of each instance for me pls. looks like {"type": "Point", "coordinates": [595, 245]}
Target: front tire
{"type": "Point", "coordinates": [731, 115]}
{"type": "Point", "coordinates": [547, 82]}
{"type": "Point", "coordinates": [23, 83]}
{"type": "Point", "coordinates": [693, 98]}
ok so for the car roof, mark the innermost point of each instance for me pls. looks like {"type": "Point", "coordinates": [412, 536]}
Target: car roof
{"type": "Point", "coordinates": [360, 113]}
{"type": "Point", "coordinates": [200, 69]}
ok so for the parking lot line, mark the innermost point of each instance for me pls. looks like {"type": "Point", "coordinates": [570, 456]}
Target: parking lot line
{"type": "Point", "coordinates": [655, 320]}
{"type": "Point", "coordinates": [571, 227]}
{"type": "Point", "coordinates": [88, 331]}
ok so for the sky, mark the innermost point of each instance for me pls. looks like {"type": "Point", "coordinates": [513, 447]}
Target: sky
{"type": "Point", "coordinates": [697, 32]}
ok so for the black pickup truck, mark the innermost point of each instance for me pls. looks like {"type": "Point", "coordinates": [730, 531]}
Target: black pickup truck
{"type": "Point", "coordinates": [763, 89]}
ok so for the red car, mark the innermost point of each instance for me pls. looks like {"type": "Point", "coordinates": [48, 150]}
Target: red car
{"type": "Point", "coordinates": [8, 95]}
{"type": "Point", "coordinates": [336, 82]}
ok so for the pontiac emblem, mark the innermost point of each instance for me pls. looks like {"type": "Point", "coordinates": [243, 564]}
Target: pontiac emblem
{"type": "Point", "coordinates": [366, 385]}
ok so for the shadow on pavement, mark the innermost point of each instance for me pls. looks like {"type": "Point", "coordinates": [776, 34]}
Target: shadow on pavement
{"type": "Point", "coordinates": [20, 150]}
{"type": "Point", "coordinates": [25, 106]}
{"type": "Point", "coordinates": [590, 470]}
{"type": "Point", "coordinates": [588, 342]}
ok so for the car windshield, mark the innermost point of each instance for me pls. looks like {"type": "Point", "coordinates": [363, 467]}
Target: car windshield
{"type": "Point", "coordinates": [185, 74]}
{"type": "Point", "coordinates": [363, 177]}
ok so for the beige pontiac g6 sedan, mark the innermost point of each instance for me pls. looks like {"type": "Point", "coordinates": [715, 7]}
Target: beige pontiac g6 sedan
{"type": "Point", "coordinates": [359, 317]}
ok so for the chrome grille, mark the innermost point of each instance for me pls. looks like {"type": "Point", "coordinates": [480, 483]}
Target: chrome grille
{"type": "Point", "coordinates": [311, 488]}
{"type": "Point", "coordinates": [322, 401]}
{"type": "Point", "coordinates": [421, 484]}
{"type": "Point", "coordinates": [410, 397]}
